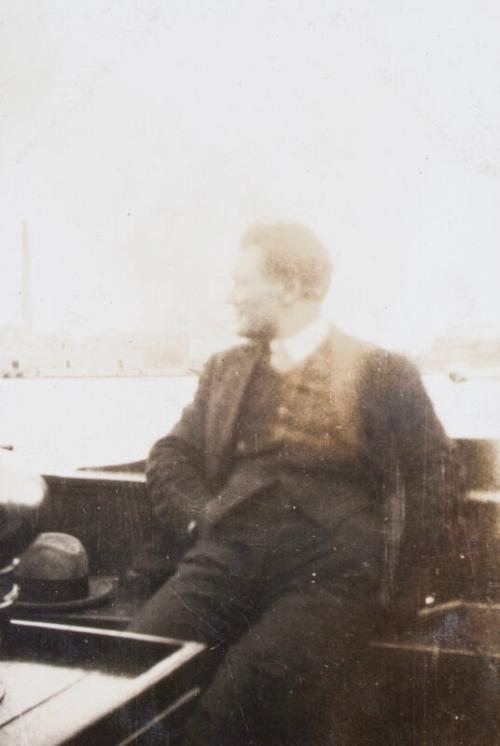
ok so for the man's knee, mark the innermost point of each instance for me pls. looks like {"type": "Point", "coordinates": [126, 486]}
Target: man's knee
{"type": "Point", "coordinates": [201, 601]}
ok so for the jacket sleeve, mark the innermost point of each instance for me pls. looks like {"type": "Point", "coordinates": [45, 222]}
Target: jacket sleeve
{"type": "Point", "coordinates": [417, 473]}
{"type": "Point", "coordinates": [175, 468]}
{"type": "Point", "coordinates": [420, 445]}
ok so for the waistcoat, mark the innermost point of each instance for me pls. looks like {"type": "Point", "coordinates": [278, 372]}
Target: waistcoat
{"type": "Point", "coordinates": [300, 437]}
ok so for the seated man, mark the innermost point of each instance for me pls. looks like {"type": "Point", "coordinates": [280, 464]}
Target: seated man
{"type": "Point", "coordinates": [295, 464]}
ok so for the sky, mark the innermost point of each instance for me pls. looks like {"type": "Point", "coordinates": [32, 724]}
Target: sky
{"type": "Point", "coordinates": [139, 138]}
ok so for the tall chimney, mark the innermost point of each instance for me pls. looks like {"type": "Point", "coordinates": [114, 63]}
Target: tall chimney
{"type": "Point", "coordinates": [26, 301]}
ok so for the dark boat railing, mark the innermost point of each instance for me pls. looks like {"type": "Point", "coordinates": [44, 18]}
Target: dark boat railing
{"type": "Point", "coordinates": [108, 508]}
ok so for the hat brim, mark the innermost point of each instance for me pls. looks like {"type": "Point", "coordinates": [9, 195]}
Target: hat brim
{"type": "Point", "coordinates": [99, 590]}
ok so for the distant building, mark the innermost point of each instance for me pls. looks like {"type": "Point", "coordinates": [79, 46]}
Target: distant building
{"type": "Point", "coordinates": [110, 353]}
{"type": "Point", "coordinates": [473, 354]}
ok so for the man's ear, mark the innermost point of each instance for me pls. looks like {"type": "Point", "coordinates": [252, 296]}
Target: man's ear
{"type": "Point", "coordinates": [292, 292]}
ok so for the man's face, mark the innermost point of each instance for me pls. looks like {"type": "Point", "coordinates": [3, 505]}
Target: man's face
{"type": "Point", "coordinates": [257, 299]}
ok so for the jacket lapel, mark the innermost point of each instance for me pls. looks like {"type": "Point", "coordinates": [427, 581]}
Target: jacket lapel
{"type": "Point", "coordinates": [224, 406]}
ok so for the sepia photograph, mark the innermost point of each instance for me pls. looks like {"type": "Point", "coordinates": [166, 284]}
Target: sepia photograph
{"type": "Point", "coordinates": [249, 373]}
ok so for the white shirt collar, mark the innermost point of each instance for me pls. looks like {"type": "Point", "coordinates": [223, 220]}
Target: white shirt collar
{"type": "Point", "coordinates": [302, 344]}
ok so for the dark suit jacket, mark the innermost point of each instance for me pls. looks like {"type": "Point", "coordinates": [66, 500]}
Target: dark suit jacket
{"type": "Point", "coordinates": [404, 453]}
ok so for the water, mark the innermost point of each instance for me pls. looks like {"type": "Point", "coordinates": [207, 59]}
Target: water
{"type": "Point", "coordinates": [470, 409]}
{"type": "Point", "coordinates": [69, 422]}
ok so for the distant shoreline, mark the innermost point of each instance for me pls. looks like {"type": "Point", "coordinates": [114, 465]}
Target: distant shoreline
{"type": "Point", "coordinates": [85, 376]}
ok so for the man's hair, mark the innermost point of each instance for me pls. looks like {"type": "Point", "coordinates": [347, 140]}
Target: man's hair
{"type": "Point", "coordinates": [291, 252]}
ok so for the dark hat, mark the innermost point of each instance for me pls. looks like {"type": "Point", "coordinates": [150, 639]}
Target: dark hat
{"type": "Point", "coordinates": [53, 575]}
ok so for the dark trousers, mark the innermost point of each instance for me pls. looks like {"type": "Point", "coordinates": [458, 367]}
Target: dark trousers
{"type": "Point", "coordinates": [285, 619]}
